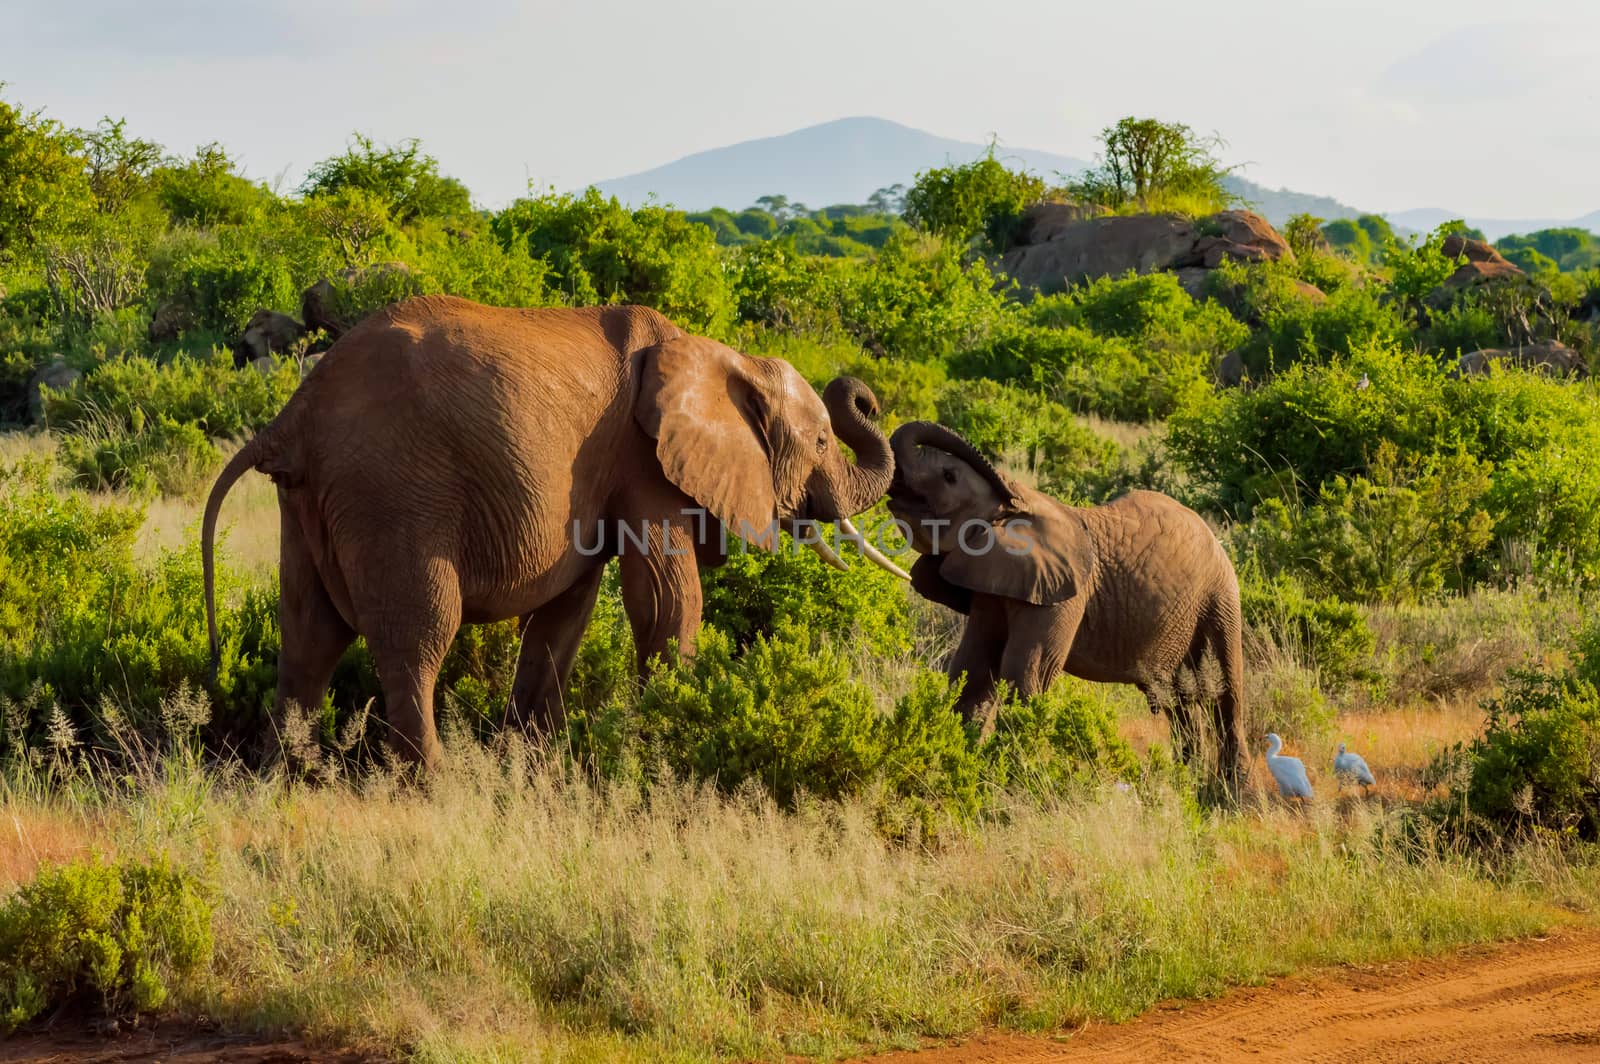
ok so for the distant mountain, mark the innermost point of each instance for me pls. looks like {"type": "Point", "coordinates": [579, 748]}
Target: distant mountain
{"type": "Point", "coordinates": [847, 160]}
{"type": "Point", "coordinates": [1426, 218]}
{"type": "Point", "coordinates": [1279, 205]}
{"type": "Point", "coordinates": [843, 161]}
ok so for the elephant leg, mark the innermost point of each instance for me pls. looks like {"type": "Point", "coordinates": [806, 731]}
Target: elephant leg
{"type": "Point", "coordinates": [977, 657]}
{"type": "Point", "coordinates": [551, 635]}
{"type": "Point", "coordinates": [1038, 645]}
{"type": "Point", "coordinates": [417, 621]}
{"type": "Point", "coordinates": [313, 634]}
{"type": "Point", "coordinates": [661, 591]}
{"type": "Point", "coordinates": [1229, 706]}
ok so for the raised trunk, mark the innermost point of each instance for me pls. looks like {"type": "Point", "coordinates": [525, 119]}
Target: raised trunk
{"type": "Point", "coordinates": [851, 408]}
{"type": "Point", "coordinates": [915, 434]}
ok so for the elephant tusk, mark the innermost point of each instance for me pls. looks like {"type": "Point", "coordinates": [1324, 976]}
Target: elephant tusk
{"type": "Point", "coordinates": [871, 553]}
{"type": "Point", "coordinates": [826, 553]}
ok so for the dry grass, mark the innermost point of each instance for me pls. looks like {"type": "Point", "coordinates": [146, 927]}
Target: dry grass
{"type": "Point", "coordinates": [248, 525]}
{"type": "Point", "coordinates": [510, 911]}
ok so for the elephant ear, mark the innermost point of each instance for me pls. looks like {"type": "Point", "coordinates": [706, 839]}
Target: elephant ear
{"type": "Point", "coordinates": [1040, 553]}
{"type": "Point", "coordinates": [708, 410]}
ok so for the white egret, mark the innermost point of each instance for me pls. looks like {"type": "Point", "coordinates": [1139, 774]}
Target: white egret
{"type": "Point", "coordinates": [1288, 771]}
{"type": "Point", "coordinates": [1352, 767]}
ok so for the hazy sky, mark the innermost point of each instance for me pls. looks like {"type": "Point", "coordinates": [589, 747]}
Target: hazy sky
{"type": "Point", "coordinates": [1481, 106]}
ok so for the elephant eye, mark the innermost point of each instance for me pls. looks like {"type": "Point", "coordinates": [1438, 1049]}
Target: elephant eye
{"type": "Point", "coordinates": [949, 475]}
{"type": "Point", "coordinates": [822, 442]}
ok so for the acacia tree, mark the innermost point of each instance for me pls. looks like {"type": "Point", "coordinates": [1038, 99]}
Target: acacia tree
{"type": "Point", "coordinates": [399, 175]}
{"type": "Point", "coordinates": [1146, 162]}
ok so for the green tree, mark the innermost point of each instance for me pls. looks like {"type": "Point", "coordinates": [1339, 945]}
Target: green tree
{"type": "Point", "coordinates": [119, 166]}
{"type": "Point", "coordinates": [43, 188]}
{"type": "Point", "coordinates": [400, 175]}
{"type": "Point", "coordinates": [1150, 164]}
{"type": "Point", "coordinates": [980, 199]}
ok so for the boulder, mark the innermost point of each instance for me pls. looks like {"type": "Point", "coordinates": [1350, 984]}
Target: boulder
{"type": "Point", "coordinates": [1230, 370]}
{"type": "Point", "coordinates": [268, 333]}
{"type": "Point", "coordinates": [1457, 246]}
{"type": "Point", "coordinates": [1060, 247]}
{"type": "Point", "coordinates": [55, 373]}
{"type": "Point", "coordinates": [329, 306]}
{"type": "Point", "coordinates": [1100, 247]}
{"type": "Point", "coordinates": [1242, 236]}
{"type": "Point", "coordinates": [1550, 356]}
{"type": "Point", "coordinates": [1043, 222]}
{"type": "Point", "coordinates": [168, 322]}
{"type": "Point", "coordinates": [1194, 280]}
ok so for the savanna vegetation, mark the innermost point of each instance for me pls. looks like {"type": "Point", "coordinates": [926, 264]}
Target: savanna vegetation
{"type": "Point", "coordinates": [788, 844]}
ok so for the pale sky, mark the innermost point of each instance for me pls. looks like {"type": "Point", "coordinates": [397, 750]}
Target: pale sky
{"type": "Point", "coordinates": [1480, 106]}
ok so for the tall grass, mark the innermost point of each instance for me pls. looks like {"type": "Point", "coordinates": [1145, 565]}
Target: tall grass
{"type": "Point", "coordinates": [511, 910]}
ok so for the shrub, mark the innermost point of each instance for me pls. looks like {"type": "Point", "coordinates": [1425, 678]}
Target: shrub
{"type": "Point", "coordinates": [213, 286]}
{"type": "Point", "coordinates": [121, 932]}
{"type": "Point", "coordinates": [1408, 531]}
{"type": "Point", "coordinates": [131, 423]}
{"type": "Point", "coordinates": [1128, 347]}
{"type": "Point", "coordinates": [209, 191]}
{"type": "Point", "coordinates": [1363, 239]}
{"type": "Point", "coordinates": [757, 592]}
{"type": "Point", "coordinates": [1048, 743]}
{"type": "Point", "coordinates": [977, 199]}
{"type": "Point", "coordinates": [407, 181]}
{"type": "Point", "coordinates": [918, 298]}
{"type": "Point", "coordinates": [1327, 633]}
{"type": "Point", "coordinates": [43, 188]}
{"type": "Point", "coordinates": [776, 286]}
{"type": "Point", "coordinates": [1292, 325]}
{"type": "Point", "coordinates": [597, 251]}
{"type": "Point", "coordinates": [1537, 764]}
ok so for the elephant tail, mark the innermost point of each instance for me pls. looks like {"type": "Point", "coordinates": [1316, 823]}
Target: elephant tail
{"type": "Point", "coordinates": [248, 457]}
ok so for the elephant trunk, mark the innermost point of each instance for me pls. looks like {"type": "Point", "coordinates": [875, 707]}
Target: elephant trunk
{"type": "Point", "coordinates": [852, 408]}
{"type": "Point", "coordinates": [914, 434]}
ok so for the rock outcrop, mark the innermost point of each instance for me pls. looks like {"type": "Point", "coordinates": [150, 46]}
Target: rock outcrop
{"type": "Point", "coordinates": [1059, 247]}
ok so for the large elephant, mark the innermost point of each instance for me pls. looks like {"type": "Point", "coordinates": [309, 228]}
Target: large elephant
{"type": "Point", "coordinates": [1137, 591]}
{"type": "Point", "coordinates": [451, 463]}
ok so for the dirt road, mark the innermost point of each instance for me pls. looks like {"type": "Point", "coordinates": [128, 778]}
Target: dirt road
{"type": "Point", "coordinates": [1532, 1002]}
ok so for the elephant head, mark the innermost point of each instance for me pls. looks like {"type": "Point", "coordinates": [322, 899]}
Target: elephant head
{"type": "Point", "coordinates": [986, 534]}
{"type": "Point", "coordinates": [748, 439]}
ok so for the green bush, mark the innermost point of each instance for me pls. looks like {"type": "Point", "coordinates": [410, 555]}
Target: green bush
{"type": "Point", "coordinates": [147, 427]}
{"type": "Point", "coordinates": [977, 199]}
{"type": "Point", "coordinates": [1291, 325]}
{"type": "Point", "coordinates": [213, 285]}
{"type": "Point", "coordinates": [919, 298]}
{"type": "Point", "coordinates": [1326, 632]}
{"type": "Point", "coordinates": [1363, 239]}
{"type": "Point", "coordinates": [1537, 763]}
{"type": "Point", "coordinates": [1130, 347]}
{"type": "Point", "coordinates": [1046, 744]}
{"type": "Point", "coordinates": [121, 932]}
{"type": "Point", "coordinates": [209, 191]}
{"type": "Point", "coordinates": [401, 176]}
{"type": "Point", "coordinates": [756, 592]}
{"type": "Point", "coordinates": [776, 286]}
{"type": "Point", "coordinates": [1407, 532]}
{"type": "Point", "coordinates": [80, 619]}
{"type": "Point", "coordinates": [598, 251]}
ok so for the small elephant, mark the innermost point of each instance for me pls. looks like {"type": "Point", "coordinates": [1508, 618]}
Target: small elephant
{"type": "Point", "coordinates": [1137, 591]}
